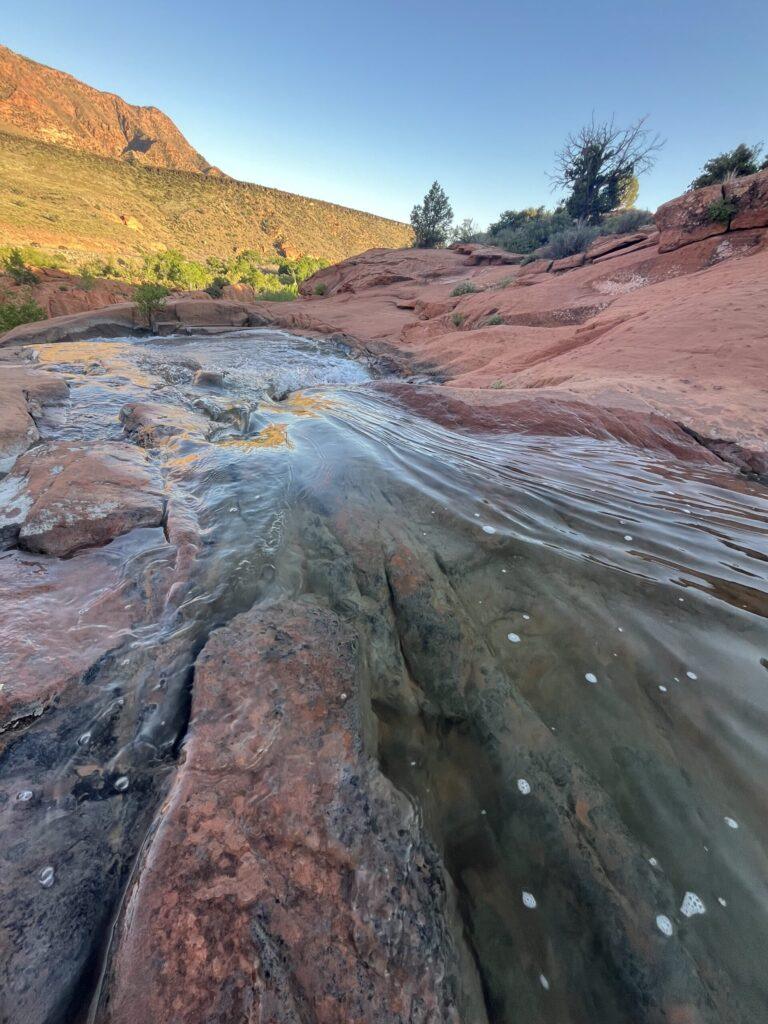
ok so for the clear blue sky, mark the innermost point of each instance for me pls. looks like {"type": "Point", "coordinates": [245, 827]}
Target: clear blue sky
{"type": "Point", "coordinates": [365, 103]}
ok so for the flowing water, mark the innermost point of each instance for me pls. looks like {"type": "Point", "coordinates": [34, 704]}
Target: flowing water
{"type": "Point", "coordinates": [576, 696]}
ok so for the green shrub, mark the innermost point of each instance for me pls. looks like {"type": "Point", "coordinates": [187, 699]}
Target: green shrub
{"type": "Point", "coordinates": [216, 288]}
{"type": "Point", "coordinates": [17, 269]}
{"type": "Point", "coordinates": [498, 383]}
{"type": "Point", "coordinates": [321, 288]}
{"type": "Point", "coordinates": [465, 288]}
{"type": "Point", "coordinates": [721, 210]}
{"type": "Point", "coordinates": [278, 295]}
{"type": "Point", "coordinates": [737, 163]}
{"type": "Point", "coordinates": [525, 230]}
{"type": "Point", "coordinates": [457, 319]}
{"type": "Point", "coordinates": [571, 241]}
{"type": "Point", "coordinates": [298, 270]}
{"type": "Point", "coordinates": [32, 256]}
{"type": "Point", "coordinates": [624, 222]}
{"type": "Point", "coordinates": [495, 320]}
{"type": "Point", "coordinates": [14, 312]}
{"type": "Point", "coordinates": [149, 297]}
{"type": "Point", "coordinates": [173, 270]}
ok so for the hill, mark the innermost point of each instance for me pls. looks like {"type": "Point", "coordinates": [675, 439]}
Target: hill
{"type": "Point", "coordinates": [87, 205]}
{"type": "Point", "coordinates": [42, 103]}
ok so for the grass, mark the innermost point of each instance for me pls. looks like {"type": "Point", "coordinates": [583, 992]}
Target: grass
{"type": "Point", "coordinates": [113, 210]}
{"type": "Point", "coordinates": [494, 321]}
{"type": "Point", "coordinates": [457, 319]}
{"type": "Point", "coordinates": [465, 288]}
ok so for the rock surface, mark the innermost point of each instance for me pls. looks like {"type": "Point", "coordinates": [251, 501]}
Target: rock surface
{"type": "Point", "coordinates": [62, 497]}
{"type": "Point", "coordinates": [297, 886]}
{"type": "Point", "coordinates": [25, 395]}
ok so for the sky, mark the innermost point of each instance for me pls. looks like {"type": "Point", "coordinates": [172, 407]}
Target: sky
{"type": "Point", "coordinates": [365, 103]}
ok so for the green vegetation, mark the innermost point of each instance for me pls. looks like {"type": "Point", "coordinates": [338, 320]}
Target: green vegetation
{"type": "Point", "coordinates": [22, 310]}
{"type": "Point", "coordinates": [149, 297]}
{"type": "Point", "coordinates": [498, 383]}
{"type": "Point", "coordinates": [597, 166]}
{"type": "Point", "coordinates": [216, 288]}
{"type": "Point", "coordinates": [494, 321]}
{"type": "Point", "coordinates": [465, 231]}
{"type": "Point", "coordinates": [15, 266]}
{"type": "Point", "coordinates": [457, 319]}
{"type": "Point", "coordinates": [721, 210]}
{"type": "Point", "coordinates": [431, 219]}
{"type": "Point", "coordinates": [525, 230]}
{"type": "Point", "coordinates": [321, 288]}
{"type": "Point", "coordinates": [112, 209]}
{"type": "Point", "coordinates": [625, 222]}
{"type": "Point", "coordinates": [737, 163]}
{"type": "Point", "coordinates": [571, 241]}
{"type": "Point", "coordinates": [465, 288]}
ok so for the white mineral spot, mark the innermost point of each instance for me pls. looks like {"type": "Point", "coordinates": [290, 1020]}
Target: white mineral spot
{"type": "Point", "coordinates": [544, 982]}
{"type": "Point", "coordinates": [662, 688]}
{"type": "Point", "coordinates": [529, 900]}
{"type": "Point", "coordinates": [24, 796]}
{"type": "Point", "coordinates": [664, 924]}
{"type": "Point", "coordinates": [691, 675]}
{"type": "Point", "coordinates": [46, 877]}
{"type": "Point", "coordinates": [121, 784]}
{"type": "Point", "coordinates": [722, 902]}
{"type": "Point", "coordinates": [692, 905]}
{"type": "Point", "coordinates": [590, 677]}
{"type": "Point", "coordinates": [513, 638]}
{"type": "Point", "coordinates": [489, 529]}
{"type": "Point", "coordinates": [524, 786]}
{"type": "Point", "coordinates": [731, 822]}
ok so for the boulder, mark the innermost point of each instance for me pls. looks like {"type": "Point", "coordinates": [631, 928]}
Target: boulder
{"type": "Point", "coordinates": [238, 292]}
{"type": "Point", "coordinates": [62, 497]}
{"type": "Point", "coordinates": [537, 266]}
{"type": "Point", "coordinates": [288, 880]}
{"type": "Point", "coordinates": [206, 312]}
{"type": "Point", "coordinates": [208, 379]}
{"type": "Point", "coordinates": [687, 218]}
{"type": "Point", "coordinates": [750, 196]}
{"type": "Point", "coordinates": [151, 423]}
{"type": "Point", "coordinates": [25, 394]}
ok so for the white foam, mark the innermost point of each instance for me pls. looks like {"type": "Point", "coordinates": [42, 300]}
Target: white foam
{"type": "Point", "coordinates": [529, 900]}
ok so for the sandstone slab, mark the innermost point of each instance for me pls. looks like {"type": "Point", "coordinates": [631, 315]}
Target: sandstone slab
{"type": "Point", "coordinates": [287, 880]}
{"type": "Point", "coordinates": [688, 219]}
{"type": "Point", "coordinates": [62, 497]}
{"type": "Point", "coordinates": [750, 196]}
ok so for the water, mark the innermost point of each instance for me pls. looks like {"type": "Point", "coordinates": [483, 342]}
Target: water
{"type": "Point", "coordinates": [566, 657]}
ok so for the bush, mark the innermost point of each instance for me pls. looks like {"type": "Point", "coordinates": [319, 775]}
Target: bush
{"type": "Point", "coordinates": [298, 270]}
{"type": "Point", "coordinates": [625, 222]}
{"type": "Point", "coordinates": [494, 321]}
{"type": "Point", "coordinates": [173, 270]}
{"type": "Point", "coordinates": [216, 288]}
{"type": "Point", "coordinates": [16, 268]}
{"type": "Point", "coordinates": [466, 231]}
{"type": "Point", "coordinates": [465, 288]}
{"type": "Point", "coordinates": [149, 297]}
{"type": "Point", "coordinates": [721, 210]}
{"type": "Point", "coordinates": [320, 289]}
{"type": "Point", "coordinates": [457, 319]}
{"type": "Point", "coordinates": [14, 312]}
{"type": "Point", "coordinates": [278, 295]}
{"type": "Point", "coordinates": [525, 230]}
{"type": "Point", "coordinates": [571, 241]}
{"type": "Point", "coordinates": [32, 256]}
{"type": "Point", "coordinates": [737, 163]}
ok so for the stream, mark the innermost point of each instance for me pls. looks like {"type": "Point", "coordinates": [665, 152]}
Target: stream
{"type": "Point", "coordinates": [571, 686]}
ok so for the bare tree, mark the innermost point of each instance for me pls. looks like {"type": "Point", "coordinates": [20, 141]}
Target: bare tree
{"type": "Point", "coordinates": [597, 163]}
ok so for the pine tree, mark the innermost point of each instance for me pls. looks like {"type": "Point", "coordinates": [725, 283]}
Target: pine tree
{"type": "Point", "coordinates": [431, 219]}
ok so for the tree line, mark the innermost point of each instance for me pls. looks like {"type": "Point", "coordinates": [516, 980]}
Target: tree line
{"type": "Point", "coordinates": [598, 168]}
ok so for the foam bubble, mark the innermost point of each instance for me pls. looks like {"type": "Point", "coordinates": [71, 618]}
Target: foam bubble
{"type": "Point", "coordinates": [731, 822]}
{"type": "Point", "coordinates": [121, 784]}
{"type": "Point", "coordinates": [524, 786]}
{"type": "Point", "coordinates": [529, 900]}
{"type": "Point", "coordinates": [692, 905]}
{"type": "Point", "coordinates": [544, 982]}
{"type": "Point", "coordinates": [489, 529]}
{"type": "Point", "coordinates": [47, 876]}
{"type": "Point", "coordinates": [691, 675]}
{"type": "Point", "coordinates": [664, 924]}
{"type": "Point", "coordinates": [590, 677]}
{"type": "Point", "coordinates": [513, 638]}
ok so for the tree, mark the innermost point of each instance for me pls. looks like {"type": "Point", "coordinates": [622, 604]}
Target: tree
{"type": "Point", "coordinates": [431, 220]}
{"type": "Point", "coordinates": [17, 269]}
{"type": "Point", "coordinates": [149, 298]}
{"type": "Point", "coordinates": [597, 164]}
{"type": "Point", "coordinates": [466, 231]}
{"type": "Point", "coordinates": [739, 162]}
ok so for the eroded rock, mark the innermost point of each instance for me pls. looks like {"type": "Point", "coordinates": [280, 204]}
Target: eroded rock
{"type": "Point", "coordinates": [294, 884]}
{"type": "Point", "coordinates": [61, 497]}
{"type": "Point", "coordinates": [151, 423]}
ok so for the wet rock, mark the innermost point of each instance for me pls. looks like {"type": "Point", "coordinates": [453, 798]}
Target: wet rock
{"type": "Point", "coordinates": [25, 395]}
{"type": "Point", "coordinates": [61, 497]}
{"type": "Point", "coordinates": [152, 423]}
{"type": "Point", "coordinates": [209, 379]}
{"type": "Point", "coordinates": [297, 886]}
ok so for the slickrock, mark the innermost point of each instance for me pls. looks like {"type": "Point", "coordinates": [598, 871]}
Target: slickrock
{"type": "Point", "coordinates": [25, 395]}
{"type": "Point", "coordinates": [152, 423]}
{"type": "Point", "coordinates": [287, 879]}
{"type": "Point", "coordinates": [61, 497]}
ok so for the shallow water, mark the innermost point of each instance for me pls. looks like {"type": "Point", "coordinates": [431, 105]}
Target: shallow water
{"type": "Point", "coordinates": [584, 717]}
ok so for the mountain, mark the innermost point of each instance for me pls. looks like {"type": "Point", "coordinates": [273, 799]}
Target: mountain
{"type": "Point", "coordinates": [86, 174]}
{"type": "Point", "coordinates": [42, 103]}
